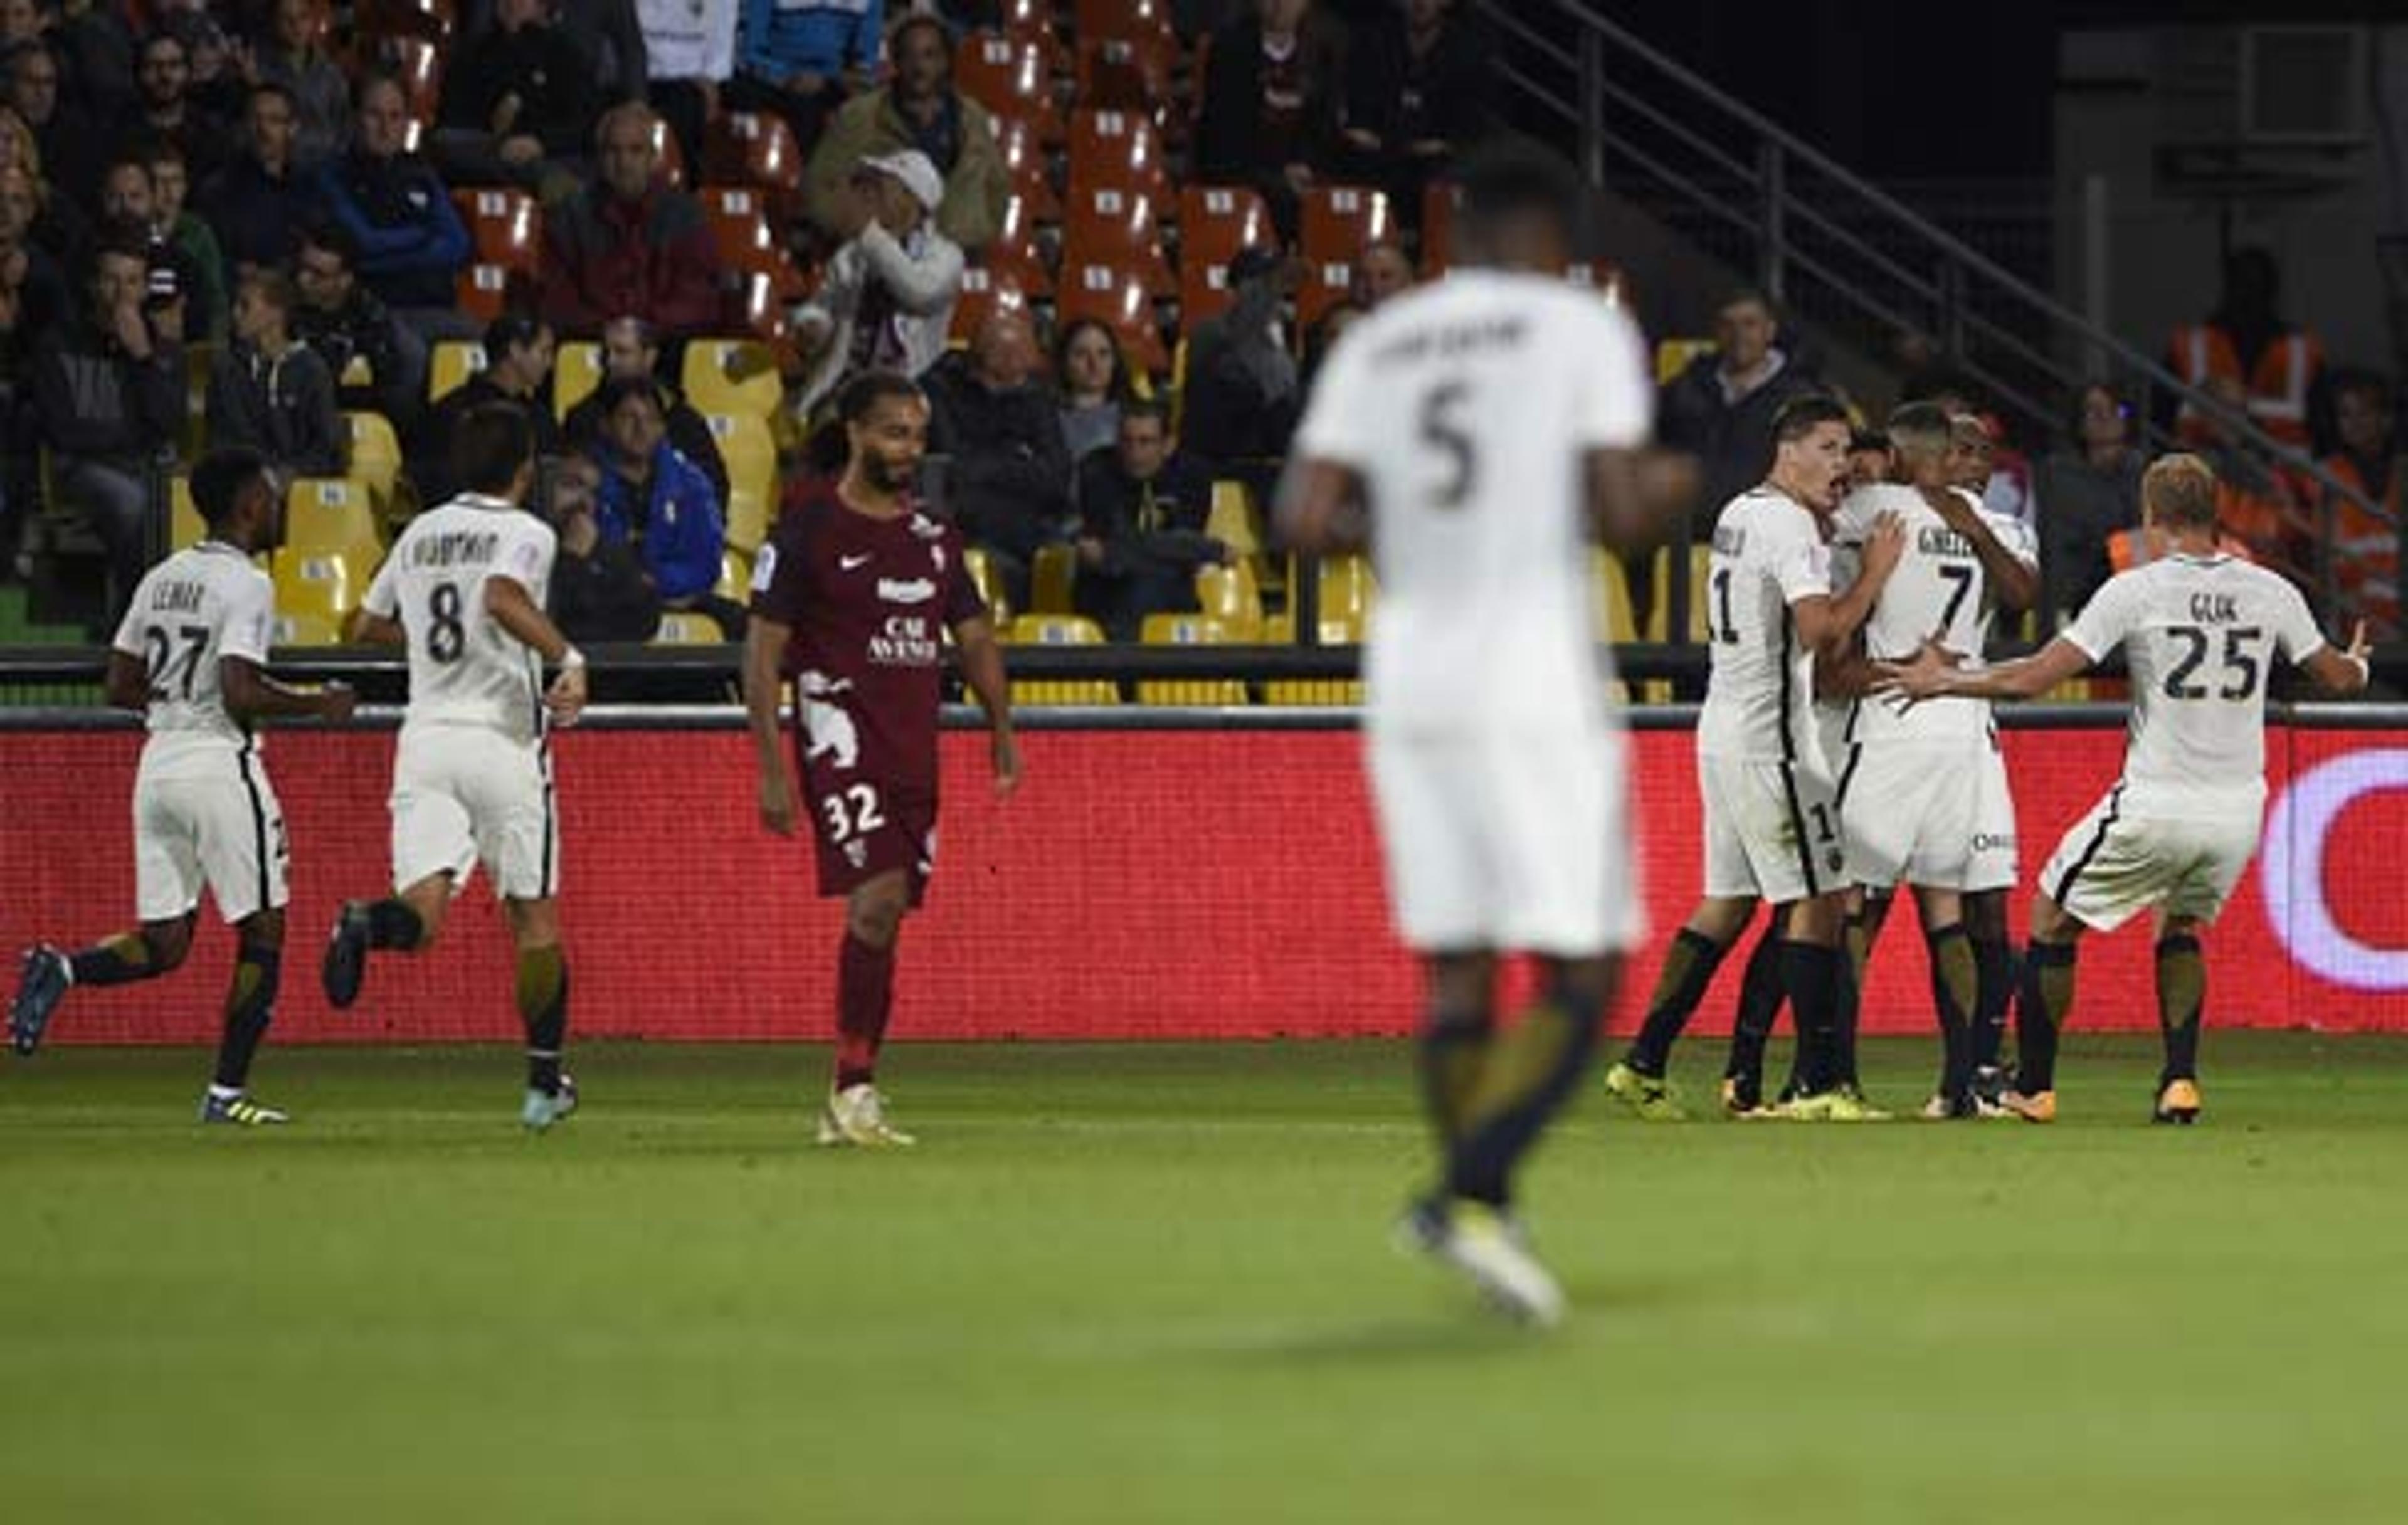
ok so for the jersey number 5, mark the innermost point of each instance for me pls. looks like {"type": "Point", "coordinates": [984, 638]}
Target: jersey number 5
{"type": "Point", "coordinates": [1442, 432]}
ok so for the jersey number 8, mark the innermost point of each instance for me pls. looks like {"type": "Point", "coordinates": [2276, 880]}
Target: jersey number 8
{"type": "Point", "coordinates": [447, 639]}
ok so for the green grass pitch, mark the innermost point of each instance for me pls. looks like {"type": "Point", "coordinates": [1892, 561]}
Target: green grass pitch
{"type": "Point", "coordinates": [1153, 1284]}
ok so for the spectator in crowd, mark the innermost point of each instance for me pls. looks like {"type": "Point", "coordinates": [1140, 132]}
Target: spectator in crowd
{"type": "Point", "coordinates": [345, 323]}
{"type": "Point", "coordinates": [631, 351]}
{"type": "Point", "coordinates": [1142, 508]}
{"type": "Point", "coordinates": [129, 209]}
{"type": "Point", "coordinates": [34, 295]}
{"type": "Point", "coordinates": [292, 56]}
{"type": "Point", "coordinates": [21, 21]}
{"type": "Point", "coordinates": [269, 390]}
{"type": "Point", "coordinates": [1090, 382]}
{"type": "Point", "coordinates": [2366, 545]}
{"type": "Point", "coordinates": [629, 242]}
{"type": "Point", "coordinates": [2083, 496]}
{"type": "Point", "coordinates": [189, 236]}
{"type": "Point", "coordinates": [259, 202]}
{"type": "Point", "coordinates": [918, 110]}
{"type": "Point", "coordinates": [2255, 504]}
{"type": "Point", "coordinates": [653, 497]}
{"type": "Point", "coordinates": [2274, 364]}
{"type": "Point", "coordinates": [608, 35]}
{"type": "Point", "coordinates": [1418, 87]}
{"type": "Point", "coordinates": [1720, 407]}
{"type": "Point", "coordinates": [96, 48]}
{"type": "Point", "coordinates": [2008, 492]}
{"type": "Point", "coordinates": [1322, 337]}
{"type": "Point", "coordinates": [599, 591]}
{"type": "Point", "coordinates": [518, 371]}
{"type": "Point", "coordinates": [109, 391]}
{"type": "Point", "coordinates": [1269, 116]}
{"type": "Point", "coordinates": [519, 104]}
{"type": "Point", "coordinates": [690, 50]}
{"type": "Point", "coordinates": [164, 107]}
{"type": "Point", "coordinates": [215, 86]}
{"type": "Point", "coordinates": [398, 211]}
{"type": "Point", "coordinates": [800, 59]}
{"type": "Point", "coordinates": [1380, 272]}
{"type": "Point", "coordinates": [887, 300]}
{"type": "Point", "coordinates": [1243, 390]}
{"type": "Point", "coordinates": [70, 150]}
{"type": "Point", "coordinates": [1009, 481]}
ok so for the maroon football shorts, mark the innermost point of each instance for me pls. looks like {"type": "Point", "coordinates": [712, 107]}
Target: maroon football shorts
{"type": "Point", "coordinates": [864, 830]}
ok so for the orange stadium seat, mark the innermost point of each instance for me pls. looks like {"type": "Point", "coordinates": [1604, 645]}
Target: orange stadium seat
{"type": "Point", "coordinates": [1217, 221]}
{"type": "Point", "coordinates": [507, 227]}
{"type": "Point", "coordinates": [1106, 225]}
{"type": "Point", "coordinates": [482, 291]}
{"type": "Point", "coordinates": [1117, 297]}
{"type": "Point", "coordinates": [984, 292]}
{"type": "Point", "coordinates": [1023, 150]}
{"type": "Point", "coordinates": [1440, 199]}
{"type": "Point", "coordinates": [756, 149]}
{"type": "Point", "coordinates": [1125, 74]}
{"type": "Point", "coordinates": [1339, 222]}
{"type": "Point", "coordinates": [1323, 284]}
{"type": "Point", "coordinates": [1016, 252]}
{"type": "Point", "coordinates": [418, 63]}
{"type": "Point", "coordinates": [1026, 17]}
{"type": "Point", "coordinates": [672, 157]}
{"type": "Point", "coordinates": [1011, 76]}
{"type": "Point", "coordinates": [433, 20]}
{"type": "Point", "coordinates": [1117, 149]}
{"type": "Point", "coordinates": [1124, 19]}
{"type": "Point", "coordinates": [741, 236]}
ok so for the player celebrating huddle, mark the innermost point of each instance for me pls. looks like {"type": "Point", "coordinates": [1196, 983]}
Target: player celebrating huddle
{"type": "Point", "coordinates": [464, 589]}
{"type": "Point", "coordinates": [188, 656]}
{"type": "Point", "coordinates": [2200, 630]}
{"type": "Point", "coordinates": [850, 598]}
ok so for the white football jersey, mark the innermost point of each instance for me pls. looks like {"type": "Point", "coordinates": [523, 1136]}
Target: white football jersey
{"type": "Point", "coordinates": [1767, 554]}
{"type": "Point", "coordinates": [1939, 589]}
{"type": "Point", "coordinates": [199, 606]}
{"type": "Point", "coordinates": [2200, 634]}
{"type": "Point", "coordinates": [1469, 408]}
{"type": "Point", "coordinates": [464, 667]}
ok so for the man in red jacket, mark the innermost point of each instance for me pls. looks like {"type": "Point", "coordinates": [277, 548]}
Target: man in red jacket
{"type": "Point", "coordinates": [629, 242]}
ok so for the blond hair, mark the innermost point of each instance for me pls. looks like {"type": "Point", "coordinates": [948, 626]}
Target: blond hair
{"type": "Point", "coordinates": [2178, 492]}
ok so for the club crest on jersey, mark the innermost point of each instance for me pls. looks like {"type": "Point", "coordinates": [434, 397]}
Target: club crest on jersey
{"type": "Point", "coordinates": [927, 528]}
{"type": "Point", "coordinates": [919, 590]}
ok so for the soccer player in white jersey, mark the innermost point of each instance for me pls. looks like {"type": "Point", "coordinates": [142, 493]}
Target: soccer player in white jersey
{"type": "Point", "coordinates": [1770, 796]}
{"type": "Point", "coordinates": [189, 656]}
{"type": "Point", "coordinates": [2201, 631]}
{"type": "Point", "coordinates": [464, 589]}
{"type": "Point", "coordinates": [1488, 426]}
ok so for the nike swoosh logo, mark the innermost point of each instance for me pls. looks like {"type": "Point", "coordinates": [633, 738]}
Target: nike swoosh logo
{"type": "Point", "coordinates": [851, 563]}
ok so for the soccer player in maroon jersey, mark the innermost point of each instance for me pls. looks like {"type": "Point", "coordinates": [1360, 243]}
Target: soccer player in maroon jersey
{"type": "Point", "coordinates": [851, 597]}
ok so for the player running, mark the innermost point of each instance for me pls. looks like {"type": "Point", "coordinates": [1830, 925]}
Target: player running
{"type": "Point", "coordinates": [2200, 631]}
{"type": "Point", "coordinates": [189, 656]}
{"type": "Point", "coordinates": [1486, 424]}
{"type": "Point", "coordinates": [464, 588]}
{"type": "Point", "coordinates": [852, 598]}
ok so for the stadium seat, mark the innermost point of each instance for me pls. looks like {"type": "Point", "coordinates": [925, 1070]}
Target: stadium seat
{"type": "Point", "coordinates": [331, 513]}
{"type": "Point", "coordinates": [1126, 73]}
{"type": "Point", "coordinates": [1440, 200]}
{"type": "Point", "coordinates": [759, 311]}
{"type": "Point", "coordinates": [1020, 17]}
{"type": "Point", "coordinates": [981, 568]}
{"type": "Point", "coordinates": [984, 292]}
{"type": "Point", "coordinates": [1021, 147]}
{"type": "Point", "coordinates": [1117, 149]}
{"type": "Point", "coordinates": [1119, 299]}
{"type": "Point", "coordinates": [1217, 221]}
{"type": "Point", "coordinates": [375, 453]}
{"type": "Point", "coordinates": [1108, 226]}
{"type": "Point", "coordinates": [1323, 284]}
{"type": "Point", "coordinates": [1189, 630]}
{"type": "Point", "coordinates": [1124, 19]}
{"type": "Point", "coordinates": [1339, 222]}
{"type": "Point", "coordinates": [418, 63]}
{"type": "Point", "coordinates": [1673, 356]}
{"type": "Point", "coordinates": [685, 627]}
{"type": "Point", "coordinates": [1237, 522]}
{"type": "Point", "coordinates": [452, 362]}
{"type": "Point", "coordinates": [1012, 76]}
{"type": "Point", "coordinates": [1054, 581]}
{"type": "Point", "coordinates": [482, 291]}
{"type": "Point", "coordinates": [670, 155]}
{"type": "Point", "coordinates": [732, 376]}
{"type": "Point", "coordinates": [1060, 630]}
{"type": "Point", "coordinates": [1616, 614]}
{"type": "Point", "coordinates": [1015, 254]}
{"type": "Point", "coordinates": [748, 514]}
{"type": "Point", "coordinates": [505, 227]}
{"type": "Point", "coordinates": [184, 526]}
{"type": "Point", "coordinates": [753, 149]}
{"type": "Point", "coordinates": [326, 584]}
{"type": "Point", "coordinates": [751, 451]}
{"type": "Point", "coordinates": [305, 629]}
{"type": "Point", "coordinates": [734, 575]}
{"type": "Point", "coordinates": [1232, 598]}
{"type": "Point", "coordinates": [575, 375]}
{"type": "Point", "coordinates": [434, 20]}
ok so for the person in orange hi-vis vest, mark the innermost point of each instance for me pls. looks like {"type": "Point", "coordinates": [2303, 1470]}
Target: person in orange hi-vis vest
{"type": "Point", "coordinates": [2247, 342]}
{"type": "Point", "coordinates": [2366, 544]}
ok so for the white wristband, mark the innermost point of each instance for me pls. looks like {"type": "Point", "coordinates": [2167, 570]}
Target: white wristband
{"type": "Point", "coordinates": [571, 660]}
{"type": "Point", "coordinates": [2365, 669]}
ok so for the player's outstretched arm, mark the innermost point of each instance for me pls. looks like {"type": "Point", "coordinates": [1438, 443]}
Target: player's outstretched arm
{"type": "Point", "coordinates": [252, 695]}
{"type": "Point", "coordinates": [1935, 673]}
{"type": "Point", "coordinates": [2341, 672]}
{"type": "Point", "coordinates": [765, 651]}
{"type": "Point", "coordinates": [128, 685]}
{"type": "Point", "coordinates": [514, 609]}
{"type": "Point", "coordinates": [983, 669]}
{"type": "Point", "coordinates": [1828, 624]}
{"type": "Point", "coordinates": [1320, 508]}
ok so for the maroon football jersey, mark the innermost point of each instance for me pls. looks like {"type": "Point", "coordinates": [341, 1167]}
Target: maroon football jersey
{"type": "Point", "coordinates": [868, 600]}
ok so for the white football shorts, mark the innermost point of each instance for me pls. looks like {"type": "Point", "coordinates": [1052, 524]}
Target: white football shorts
{"type": "Point", "coordinates": [465, 794]}
{"type": "Point", "coordinates": [212, 822]}
{"type": "Point", "coordinates": [2111, 865]}
{"type": "Point", "coordinates": [1772, 829]}
{"type": "Point", "coordinates": [1995, 862]}
{"type": "Point", "coordinates": [1910, 811]}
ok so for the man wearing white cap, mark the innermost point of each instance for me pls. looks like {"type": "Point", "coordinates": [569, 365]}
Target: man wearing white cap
{"type": "Point", "coordinates": [887, 302]}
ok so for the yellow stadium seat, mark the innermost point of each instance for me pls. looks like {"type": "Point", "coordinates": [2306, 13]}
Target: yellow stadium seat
{"type": "Point", "coordinates": [1347, 593]}
{"type": "Point", "coordinates": [1235, 520]}
{"type": "Point", "coordinates": [1614, 616]}
{"type": "Point", "coordinates": [752, 456]}
{"type": "Point", "coordinates": [982, 569]}
{"type": "Point", "coordinates": [1231, 596]}
{"type": "Point", "coordinates": [1673, 355]}
{"type": "Point", "coordinates": [734, 575]}
{"type": "Point", "coordinates": [331, 513]}
{"type": "Point", "coordinates": [454, 362]}
{"type": "Point", "coordinates": [328, 583]}
{"type": "Point", "coordinates": [304, 630]}
{"type": "Point", "coordinates": [184, 526]}
{"type": "Point", "coordinates": [1308, 693]}
{"type": "Point", "coordinates": [575, 375]}
{"type": "Point", "coordinates": [1189, 630]}
{"type": "Point", "coordinates": [732, 376]}
{"type": "Point", "coordinates": [1701, 558]}
{"type": "Point", "coordinates": [375, 453]}
{"type": "Point", "coordinates": [685, 627]}
{"type": "Point", "coordinates": [1054, 581]}
{"type": "Point", "coordinates": [1060, 630]}
{"type": "Point", "coordinates": [748, 516]}
{"type": "Point", "coordinates": [357, 372]}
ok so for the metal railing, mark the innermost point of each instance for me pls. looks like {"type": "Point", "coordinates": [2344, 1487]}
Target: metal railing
{"type": "Point", "coordinates": [1834, 248]}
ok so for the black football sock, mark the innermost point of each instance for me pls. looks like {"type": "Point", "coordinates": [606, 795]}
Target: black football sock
{"type": "Point", "coordinates": [1759, 1004]}
{"type": "Point", "coordinates": [394, 923]}
{"type": "Point", "coordinates": [1994, 978]}
{"type": "Point", "coordinates": [2182, 995]}
{"type": "Point", "coordinates": [544, 1006]}
{"type": "Point", "coordinates": [1454, 1053]}
{"type": "Point", "coordinates": [1531, 1073]}
{"type": "Point", "coordinates": [251, 1003]}
{"type": "Point", "coordinates": [2040, 1010]}
{"type": "Point", "coordinates": [120, 958]}
{"type": "Point", "coordinates": [1811, 975]}
{"type": "Point", "coordinates": [1953, 993]}
{"type": "Point", "coordinates": [1856, 947]}
{"type": "Point", "coordinates": [1689, 967]}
